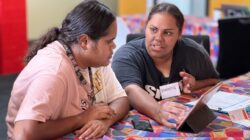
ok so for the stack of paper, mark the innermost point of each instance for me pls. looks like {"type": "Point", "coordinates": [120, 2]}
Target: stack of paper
{"type": "Point", "coordinates": [225, 102]}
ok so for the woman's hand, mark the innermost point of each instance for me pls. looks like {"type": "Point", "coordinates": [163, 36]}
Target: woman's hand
{"type": "Point", "coordinates": [94, 129]}
{"type": "Point", "coordinates": [97, 112]}
{"type": "Point", "coordinates": [188, 82]}
{"type": "Point", "coordinates": [172, 111]}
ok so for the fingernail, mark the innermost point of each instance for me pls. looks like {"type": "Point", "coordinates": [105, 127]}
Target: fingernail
{"type": "Point", "coordinates": [171, 120]}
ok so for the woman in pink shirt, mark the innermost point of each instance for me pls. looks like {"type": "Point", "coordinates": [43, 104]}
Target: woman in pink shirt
{"type": "Point", "coordinates": [67, 85]}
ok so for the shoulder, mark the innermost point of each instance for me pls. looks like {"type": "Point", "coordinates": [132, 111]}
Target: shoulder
{"type": "Point", "coordinates": [133, 50]}
{"type": "Point", "coordinates": [132, 47]}
{"type": "Point", "coordinates": [189, 47]}
{"type": "Point", "coordinates": [51, 60]}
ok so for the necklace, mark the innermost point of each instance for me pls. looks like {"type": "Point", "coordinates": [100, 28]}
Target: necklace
{"type": "Point", "coordinates": [82, 80]}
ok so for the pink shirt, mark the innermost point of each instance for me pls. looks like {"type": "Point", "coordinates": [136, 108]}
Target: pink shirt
{"type": "Point", "coordinates": [48, 89]}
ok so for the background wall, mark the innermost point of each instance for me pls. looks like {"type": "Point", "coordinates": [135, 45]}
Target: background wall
{"type": "Point", "coordinates": [127, 7]}
{"type": "Point", "coordinates": [213, 4]}
{"type": "Point", "coordinates": [45, 14]}
{"type": "Point", "coordinates": [190, 7]}
{"type": "Point", "coordinates": [112, 4]}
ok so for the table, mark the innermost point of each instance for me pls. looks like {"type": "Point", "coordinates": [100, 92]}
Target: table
{"type": "Point", "coordinates": [221, 127]}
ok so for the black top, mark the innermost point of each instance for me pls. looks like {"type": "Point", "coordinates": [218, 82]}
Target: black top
{"type": "Point", "coordinates": [132, 65]}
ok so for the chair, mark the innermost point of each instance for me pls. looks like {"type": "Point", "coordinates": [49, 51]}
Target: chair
{"type": "Point", "coordinates": [234, 50]}
{"type": "Point", "coordinates": [201, 39]}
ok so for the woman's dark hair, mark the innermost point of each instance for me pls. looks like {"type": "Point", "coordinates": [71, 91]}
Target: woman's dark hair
{"type": "Point", "coordinates": [170, 9]}
{"type": "Point", "coordinates": [90, 17]}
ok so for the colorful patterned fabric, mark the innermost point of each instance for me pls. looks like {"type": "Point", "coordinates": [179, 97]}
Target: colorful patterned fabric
{"type": "Point", "coordinates": [221, 128]}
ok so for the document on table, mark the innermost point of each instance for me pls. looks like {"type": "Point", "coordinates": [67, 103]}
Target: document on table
{"type": "Point", "coordinates": [240, 116]}
{"type": "Point", "coordinates": [225, 102]}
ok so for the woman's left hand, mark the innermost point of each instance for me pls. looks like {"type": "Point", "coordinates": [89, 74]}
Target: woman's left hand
{"type": "Point", "coordinates": [188, 82]}
{"type": "Point", "coordinates": [92, 130]}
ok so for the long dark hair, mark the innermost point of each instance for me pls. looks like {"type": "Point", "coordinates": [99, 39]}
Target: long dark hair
{"type": "Point", "coordinates": [170, 9]}
{"type": "Point", "coordinates": [90, 17]}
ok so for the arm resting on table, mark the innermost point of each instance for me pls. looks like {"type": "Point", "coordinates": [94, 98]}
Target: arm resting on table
{"type": "Point", "coordinates": [143, 102]}
{"type": "Point", "coordinates": [121, 108]}
{"type": "Point", "coordinates": [205, 83]}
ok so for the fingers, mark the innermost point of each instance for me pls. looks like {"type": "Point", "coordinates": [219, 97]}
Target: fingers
{"type": "Point", "coordinates": [106, 113]}
{"type": "Point", "coordinates": [92, 130]}
{"type": "Point", "coordinates": [188, 82]}
{"type": "Point", "coordinates": [187, 88]}
{"type": "Point", "coordinates": [174, 111]}
{"type": "Point", "coordinates": [82, 132]}
{"type": "Point", "coordinates": [168, 124]}
{"type": "Point", "coordinates": [183, 74]}
{"type": "Point", "coordinates": [171, 120]}
{"type": "Point", "coordinates": [101, 111]}
{"type": "Point", "coordinates": [100, 134]}
{"type": "Point", "coordinates": [168, 105]}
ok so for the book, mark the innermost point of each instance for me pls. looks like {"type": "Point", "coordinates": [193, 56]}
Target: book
{"type": "Point", "coordinates": [225, 102]}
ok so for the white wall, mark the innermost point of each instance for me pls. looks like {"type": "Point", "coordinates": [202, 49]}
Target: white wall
{"type": "Point", "coordinates": [190, 7]}
{"type": "Point", "coordinates": [183, 5]}
{"type": "Point", "coordinates": [199, 8]}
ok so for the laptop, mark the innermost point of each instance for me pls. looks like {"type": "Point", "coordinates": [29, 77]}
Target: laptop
{"type": "Point", "coordinates": [200, 115]}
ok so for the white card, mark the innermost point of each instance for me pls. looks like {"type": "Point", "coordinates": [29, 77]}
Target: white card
{"type": "Point", "coordinates": [170, 90]}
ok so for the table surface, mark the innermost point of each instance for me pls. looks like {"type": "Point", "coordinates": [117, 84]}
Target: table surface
{"type": "Point", "coordinates": [221, 127]}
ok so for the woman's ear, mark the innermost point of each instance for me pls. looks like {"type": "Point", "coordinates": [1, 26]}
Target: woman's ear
{"type": "Point", "coordinates": [83, 40]}
{"type": "Point", "coordinates": [180, 35]}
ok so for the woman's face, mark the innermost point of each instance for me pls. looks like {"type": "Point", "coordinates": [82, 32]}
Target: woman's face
{"type": "Point", "coordinates": [102, 50]}
{"type": "Point", "coordinates": [161, 35]}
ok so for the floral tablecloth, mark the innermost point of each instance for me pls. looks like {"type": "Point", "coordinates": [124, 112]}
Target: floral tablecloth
{"type": "Point", "coordinates": [221, 128]}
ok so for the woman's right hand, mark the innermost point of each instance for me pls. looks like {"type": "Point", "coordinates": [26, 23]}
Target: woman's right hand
{"type": "Point", "coordinates": [98, 111]}
{"type": "Point", "coordinates": [172, 113]}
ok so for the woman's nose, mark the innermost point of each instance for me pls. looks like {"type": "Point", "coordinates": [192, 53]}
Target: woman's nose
{"type": "Point", "coordinates": [113, 46]}
{"type": "Point", "coordinates": [158, 36]}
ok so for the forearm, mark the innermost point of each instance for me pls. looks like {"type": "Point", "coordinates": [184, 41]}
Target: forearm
{"type": "Point", "coordinates": [143, 102]}
{"type": "Point", "coordinates": [205, 83]}
{"type": "Point", "coordinates": [30, 129]}
{"type": "Point", "coordinates": [121, 108]}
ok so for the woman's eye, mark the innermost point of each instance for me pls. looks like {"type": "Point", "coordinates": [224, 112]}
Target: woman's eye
{"type": "Point", "coordinates": [168, 33]}
{"type": "Point", "coordinates": [154, 30]}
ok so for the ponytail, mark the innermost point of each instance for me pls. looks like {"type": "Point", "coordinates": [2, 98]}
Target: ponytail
{"type": "Point", "coordinates": [42, 42]}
